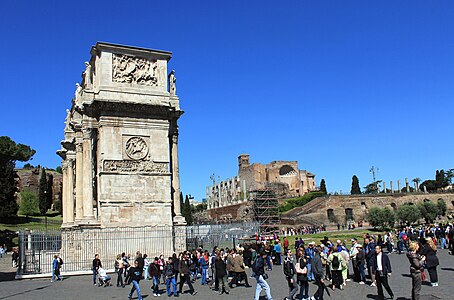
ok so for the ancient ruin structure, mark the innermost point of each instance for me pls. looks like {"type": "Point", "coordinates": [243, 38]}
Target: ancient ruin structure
{"type": "Point", "coordinates": [283, 177]}
{"type": "Point", "coordinates": [120, 154]}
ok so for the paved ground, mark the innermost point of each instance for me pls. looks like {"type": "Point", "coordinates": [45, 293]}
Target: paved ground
{"type": "Point", "coordinates": [80, 287]}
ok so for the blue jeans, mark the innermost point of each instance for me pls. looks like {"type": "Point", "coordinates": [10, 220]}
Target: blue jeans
{"type": "Point", "coordinates": [310, 275]}
{"type": "Point", "coordinates": [172, 281]}
{"type": "Point", "coordinates": [94, 276]}
{"type": "Point", "coordinates": [155, 286]}
{"type": "Point", "coordinates": [443, 243]}
{"type": "Point", "coordinates": [262, 285]}
{"type": "Point", "coordinates": [135, 287]}
{"type": "Point", "coordinates": [268, 262]}
{"type": "Point", "coordinates": [204, 276]}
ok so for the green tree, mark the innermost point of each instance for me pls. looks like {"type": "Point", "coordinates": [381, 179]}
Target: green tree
{"type": "Point", "coordinates": [28, 204]}
{"type": "Point", "coordinates": [42, 193]}
{"type": "Point", "coordinates": [408, 214]}
{"type": "Point", "coordinates": [323, 187]}
{"type": "Point", "coordinates": [59, 170]}
{"type": "Point", "coordinates": [10, 152]}
{"type": "Point", "coordinates": [355, 190]}
{"type": "Point", "coordinates": [59, 203]}
{"type": "Point", "coordinates": [441, 206]}
{"type": "Point", "coordinates": [381, 217]}
{"type": "Point", "coordinates": [372, 188]}
{"type": "Point", "coordinates": [431, 185]}
{"type": "Point", "coordinates": [188, 212]}
{"type": "Point", "coordinates": [429, 211]}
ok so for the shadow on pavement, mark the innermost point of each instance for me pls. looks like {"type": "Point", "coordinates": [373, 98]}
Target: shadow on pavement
{"type": "Point", "coordinates": [24, 292]}
{"type": "Point", "coordinates": [7, 276]}
{"type": "Point", "coordinates": [448, 269]}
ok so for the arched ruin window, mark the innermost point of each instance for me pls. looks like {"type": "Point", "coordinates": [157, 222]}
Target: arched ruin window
{"type": "Point", "coordinates": [287, 171]}
{"type": "Point", "coordinates": [330, 213]}
{"type": "Point", "coordinates": [394, 206]}
{"type": "Point", "coordinates": [426, 200]}
{"type": "Point", "coordinates": [349, 214]}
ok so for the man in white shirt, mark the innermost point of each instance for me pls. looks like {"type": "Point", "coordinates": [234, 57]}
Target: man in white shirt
{"type": "Point", "coordinates": [382, 269]}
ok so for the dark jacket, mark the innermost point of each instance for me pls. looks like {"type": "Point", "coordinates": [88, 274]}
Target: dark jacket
{"type": "Point", "coordinates": [415, 262]}
{"type": "Point", "coordinates": [259, 266]}
{"type": "Point", "coordinates": [431, 256]}
{"type": "Point", "coordinates": [184, 266]}
{"type": "Point", "coordinates": [386, 264]}
{"type": "Point", "coordinates": [96, 264]}
{"type": "Point", "coordinates": [169, 270]}
{"type": "Point", "coordinates": [141, 262]}
{"type": "Point", "coordinates": [302, 277]}
{"type": "Point", "coordinates": [134, 274]}
{"type": "Point", "coordinates": [220, 267]}
{"type": "Point", "coordinates": [153, 270]}
{"type": "Point", "coordinates": [317, 267]}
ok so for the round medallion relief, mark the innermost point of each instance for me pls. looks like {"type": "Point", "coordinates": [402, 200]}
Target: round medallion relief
{"type": "Point", "coordinates": [136, 148]}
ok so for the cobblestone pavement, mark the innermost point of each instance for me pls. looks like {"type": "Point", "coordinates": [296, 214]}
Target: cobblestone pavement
{"type": "Point", "coordinates": [80, 287]}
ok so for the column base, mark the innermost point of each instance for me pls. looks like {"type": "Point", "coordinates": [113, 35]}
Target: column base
{"type": "Point", "coordinates": [67, 225]}
{"type": "Point", "coordinates": [179, 220]}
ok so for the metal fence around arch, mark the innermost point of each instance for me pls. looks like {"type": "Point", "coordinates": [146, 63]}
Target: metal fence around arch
{"type": "Point", "coordinates": [37, 248]}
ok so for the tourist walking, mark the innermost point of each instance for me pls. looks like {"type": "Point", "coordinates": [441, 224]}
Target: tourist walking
{"type": "Point", "coordinates": [361, 261]}
{"type": "Point", "coordinates": [155, 274]}
{"type": "Point", "coordinates": [369, 250]}
{"type": "Point", "coordinates": [319, 273]}
{"type": "Point", "coordinates": [56, 265]}
{"type": "Point", "coordinates": [289, 272]}
{"type": "Point", "coordinates": [382, 268]}
{"type": "Point", "coordinates": [301, 275]}
{"type": "Point", "coordinates": [429, 250]}
{"type": "Point", "coordinates": [170, 275]}
{"type": "Point", "coordinates": [240, 272]}
{"type": "Point", "coordinates": [260, 276]}
{"type": "Point", "coordinates": [134, 276]}
{"type": "Point", "coordinates": [221, 275]}
{"type": "Point", "coordinates": [95, 267]}
{"type": "Point", "coordinates": [184, 274]}
{"type": "Point", "coordinates": [416, 265]}
{"type": "Point", "coordinates": [337, 264]}
{"type": "Point", "coordinates": [309, 252]}
{"type": "Point", "coordinates": [119, 271]}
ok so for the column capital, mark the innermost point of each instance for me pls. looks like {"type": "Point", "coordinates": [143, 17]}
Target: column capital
{"type": "Point", "coordinates": [87, 133]}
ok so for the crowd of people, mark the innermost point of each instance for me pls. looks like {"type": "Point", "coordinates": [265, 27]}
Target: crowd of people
{"type": "Point", "coordinates": [325, 263]}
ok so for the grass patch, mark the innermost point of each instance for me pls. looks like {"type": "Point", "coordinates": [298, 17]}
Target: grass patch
{"type": "Point", "coordinates": [300, 201]}
{"type": "Point", "coordinates": [343, 235]}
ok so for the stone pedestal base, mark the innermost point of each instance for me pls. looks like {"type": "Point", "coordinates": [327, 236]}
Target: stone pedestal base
{"type": "Point", "coordinates": [180, 238]}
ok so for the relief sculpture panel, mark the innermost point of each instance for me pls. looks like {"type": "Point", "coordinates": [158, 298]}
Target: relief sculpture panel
{"type": "Point", "coordinates": [130, 69]}
{"type": "Point", "coordinates": [135, 166]}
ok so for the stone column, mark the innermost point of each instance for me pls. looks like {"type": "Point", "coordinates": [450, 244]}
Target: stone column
{"type": "Point", "coordinates": [384, 187]}
{"type": "Point", "coordinates": [64, 192]}
{"type": "Point", "coordinates": [79, 181]}
{"type": "Point", "coordinates": [88, 174]}
{"type": "Point", "coordinates": [70, 190]}
{"type": "Point", "coordinates": [178, 219]}
{"type": "Point", "coordinates": [398, 185]}
{"type": "Point", "coordinates": [392, 188]}
{"type": "Point", "coordinates": [407, 186]}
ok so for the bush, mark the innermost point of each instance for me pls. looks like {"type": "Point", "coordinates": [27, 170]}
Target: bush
{"type": "Point", "coordinates": [429, 211]}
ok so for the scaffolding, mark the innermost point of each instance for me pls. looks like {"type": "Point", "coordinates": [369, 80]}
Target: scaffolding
{"type": "Point", "coordinates": [266, 210]}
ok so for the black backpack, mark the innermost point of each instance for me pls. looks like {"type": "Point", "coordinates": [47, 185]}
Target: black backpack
{"type": "Point", "coordinates": [335, 262]}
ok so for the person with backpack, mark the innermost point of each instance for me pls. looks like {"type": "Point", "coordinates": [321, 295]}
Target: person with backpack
{"type": "Point", "coordinates": [259, 274]}
{"type": "Point", "coordinates": [134, 276]}
{"type": "Point", "coordinates": [119, 271]}
{"type": "Point", "coordinates": [337, 263]}
{"type": "Point", "coordinates": [170, 275]}
{"type": "Point", "coordinates": [289, 272]}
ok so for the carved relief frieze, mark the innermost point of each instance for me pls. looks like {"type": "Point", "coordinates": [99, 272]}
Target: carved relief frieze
{"type": "Point", "coordinates": [130, 69]}
{"type": "Point", "coordinates": [135, 166]}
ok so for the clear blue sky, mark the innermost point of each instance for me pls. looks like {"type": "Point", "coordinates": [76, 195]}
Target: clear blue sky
{"type": "Point", "coordinates": [337, 85]}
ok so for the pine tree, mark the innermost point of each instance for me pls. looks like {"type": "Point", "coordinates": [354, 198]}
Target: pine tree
{"type": "Point", "coordinates": [10, 152]}
{"type": "Point", "coordinates": [50, 191]}
{"type": "Point", "coordinates": [323, 187]}
{"type": "Point", "coordinates": [356, 190]}
{"type": "Point", "coordinates": [42, 193]}
{"type": "Point", "coordinates": [187, 209]}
